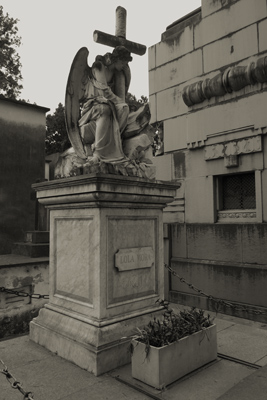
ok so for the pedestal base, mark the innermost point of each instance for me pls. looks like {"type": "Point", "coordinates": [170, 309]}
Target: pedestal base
{"type": "Point", "coordinates": [106, 266]}
{"type": "Point", "coordinates": [97, 349]}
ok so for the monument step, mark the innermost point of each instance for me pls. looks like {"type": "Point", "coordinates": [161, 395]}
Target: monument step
{"type": "Point", "coordinates": [32, 250]}
{"type": "Point", "coordinates": [37, 237]}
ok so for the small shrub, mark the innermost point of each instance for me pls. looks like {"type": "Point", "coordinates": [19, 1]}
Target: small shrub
{"type": "Point", "coordinates": [172, 327]}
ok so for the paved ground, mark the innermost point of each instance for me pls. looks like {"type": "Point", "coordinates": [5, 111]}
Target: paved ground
{"type": "Point", "coordinates": [233, 376]}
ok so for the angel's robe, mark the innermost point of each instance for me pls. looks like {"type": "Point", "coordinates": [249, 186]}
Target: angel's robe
{"type": "Point", "coordinates": [100, 100]}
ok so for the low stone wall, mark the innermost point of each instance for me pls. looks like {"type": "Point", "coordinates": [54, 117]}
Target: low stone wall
{"type": "Point", "coordinates": [227, 262]}
{"type": "Point", "coordinates": [26, 274]}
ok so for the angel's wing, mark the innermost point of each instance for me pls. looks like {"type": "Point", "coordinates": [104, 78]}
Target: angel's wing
{"type": "Point", "coordinates": [74, 93]}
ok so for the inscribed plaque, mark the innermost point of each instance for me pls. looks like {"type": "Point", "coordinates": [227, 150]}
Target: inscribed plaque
{"type": "Point", "coordinates": [134, 258]}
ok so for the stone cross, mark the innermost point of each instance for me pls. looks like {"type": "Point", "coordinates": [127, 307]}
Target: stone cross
{"type": "Point", "coordinates": [120, 35]}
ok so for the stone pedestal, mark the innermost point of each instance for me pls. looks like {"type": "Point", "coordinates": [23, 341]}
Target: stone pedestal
{"type": "Point", "coordinates": [106, 266]}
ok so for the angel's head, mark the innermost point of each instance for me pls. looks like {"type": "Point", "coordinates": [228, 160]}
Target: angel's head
{"type": "Point", "coordinates": [119, 56]}
{"type": "Point", "coordinates": [121, 53]}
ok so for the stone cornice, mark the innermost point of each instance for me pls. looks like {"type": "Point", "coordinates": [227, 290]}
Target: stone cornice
{"type": "Point", "coordinates": [105, 191]}
{"type": "Point", "coordinates": [231, 80]}
{"type": "Point", "coordinates": [100, 178]}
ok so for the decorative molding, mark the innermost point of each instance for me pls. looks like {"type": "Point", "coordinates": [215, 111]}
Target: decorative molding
{"type": "Point", "coordinates": [233, 148]}
{"type": "Point", "coordinates": [231, 161]}
{"type": "Point", "coordinates": [178, 205]}
{"type": "Point", "coordinates": [231, 80]}
{"type": "Point", "coordinates": [214, 151]}
{"type": "Point", "coordinates": [242, 129]}
{"type": "Point", "coordinates": [196, 145]}
{"type": "Point", "coordinates": [236, 214]}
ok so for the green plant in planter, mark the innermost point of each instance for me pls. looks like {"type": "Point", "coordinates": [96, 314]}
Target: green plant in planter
{"type": "Point", "coordinates": [172, 327]}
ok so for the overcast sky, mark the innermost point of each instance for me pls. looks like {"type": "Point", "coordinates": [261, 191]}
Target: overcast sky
{"type": "Point", "coordinates": [52, 32]}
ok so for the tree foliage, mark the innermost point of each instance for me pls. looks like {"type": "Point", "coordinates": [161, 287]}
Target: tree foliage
{"type": "Point", "coordinates": [133, 103]}
{"type": "Point", "coordinates": [10, 66]}
{"type": "Point", "coordinates": [57, 139]}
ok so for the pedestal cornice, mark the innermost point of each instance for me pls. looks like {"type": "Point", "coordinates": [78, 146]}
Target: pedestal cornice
{"type": "Point", "coordinates": [103, 190]}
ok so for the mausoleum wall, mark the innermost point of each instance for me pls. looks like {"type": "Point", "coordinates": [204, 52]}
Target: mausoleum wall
{"type": "Point", "coordinates": [210, 42]}
{"type": "Point", "coordinates": [208, 85]}
{"type": "Point", "coordinates": [22, 153]}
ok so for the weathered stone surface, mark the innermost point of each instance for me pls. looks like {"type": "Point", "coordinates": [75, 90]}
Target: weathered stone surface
{"type": "Point", "coordinates": [177, 27]}
{"type": "Point", "coordinates": [202, 210]}
{"type": "Point", "coordinates": [226, 117]}
{"type": "Point", "coordinates": [103, 189]}
{"type": "Point", "coordinates": [210, 6]}
{"type": "Point", "coordinates": [29, 275]}
{"type": "Point", "coordinates": [141, 170]}
{"type": "Point", "coordinates": [175, 47]}
{"type": "Point", "coordinates": [151, 57]}
{"type": "Point", "coordinates": [264, 195]}
{"type": "Point", "coordinates": [170, 103]}
{"type": "Point", "coordinates": [175, 72]}
{"type": "Point", "coordinates": [262, 35]}
{"type": "Point", "coordinates": [234, 17]}
{"type": "Point", "coordinates": [163, 166]}
{"type": "Point", "coordinates": [94, 301]}
{"type": "Point", "coordinates": [175, 134]}
{"type": "Point", "coordinates": [164, 365]}
{"type": "Point", "coordinates": [243, 284]}
{"type": "Point", "coordinates": [231, 49]}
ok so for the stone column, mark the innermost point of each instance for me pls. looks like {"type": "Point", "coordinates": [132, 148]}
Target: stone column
{"type": "Point", "coordinates": [106, 266]}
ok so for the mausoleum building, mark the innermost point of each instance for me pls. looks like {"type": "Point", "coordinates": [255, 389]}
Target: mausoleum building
{"type": "Point", "coordinates": [22, 154]}
{"type": "Point", "coordinates": [208, 86]}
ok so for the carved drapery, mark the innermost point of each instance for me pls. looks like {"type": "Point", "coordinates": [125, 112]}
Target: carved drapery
{"type": "Point", "coordinates": [231, 80]}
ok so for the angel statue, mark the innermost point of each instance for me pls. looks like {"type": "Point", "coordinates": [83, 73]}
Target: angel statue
{"type": "Point", "coordinates": [105, 135]}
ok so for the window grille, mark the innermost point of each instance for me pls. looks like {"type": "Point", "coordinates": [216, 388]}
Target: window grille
{"type": "Point", "coordinates": [238, 192]}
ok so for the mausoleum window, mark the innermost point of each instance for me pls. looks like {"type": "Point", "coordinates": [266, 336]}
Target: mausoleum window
{"type": "Point", "coordinates": [236, 198]}
{"type": "Point", "coordinates": [238, 192]}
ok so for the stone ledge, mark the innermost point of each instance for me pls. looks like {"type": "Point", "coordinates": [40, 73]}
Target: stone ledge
{"type": "Point", "coordinates": [34, 250]}
{"type": "Point", "coordinates": [14, 260]}
{"type": "Point", "coordinates": [100, 178]}
{"type": "Point", "coordinates": [198, 301]}
{"type": "Point", "coordinates": [111, 190]}
{"type": "Point", "coordinates": [219, 263]}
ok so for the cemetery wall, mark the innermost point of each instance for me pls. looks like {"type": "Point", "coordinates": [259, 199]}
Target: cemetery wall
{"type": "Point", "coordinates": [22, 154]}
{"type": "Point", "coordinates": [21, 274]}
{"type": "Point", "coordinates": [205, 88]}
{"type": "Point", "coordinates": [226, 261]}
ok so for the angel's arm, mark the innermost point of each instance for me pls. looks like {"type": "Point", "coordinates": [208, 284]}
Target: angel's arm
{"type": "Point", "coordinates": [122, 82]}
{"type": "Point", "coordinates": [127, 74]}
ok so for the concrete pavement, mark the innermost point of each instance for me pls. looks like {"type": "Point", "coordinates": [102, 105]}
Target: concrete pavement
{"type": "Point", "coordinates": [240, 372]}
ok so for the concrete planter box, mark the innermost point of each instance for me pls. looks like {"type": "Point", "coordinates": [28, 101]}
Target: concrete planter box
{"type": "Point", "coordinates": [166, 364]}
